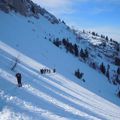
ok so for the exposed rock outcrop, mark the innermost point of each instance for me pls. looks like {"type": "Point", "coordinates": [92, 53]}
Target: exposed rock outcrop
{"type": "Point", "coordinates": [26, 8]}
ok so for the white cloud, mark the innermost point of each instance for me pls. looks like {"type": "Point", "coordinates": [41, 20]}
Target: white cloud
{"type": "Point", "coordinates": [59, 7]}
{"type": "Point", "coordinates": [53, 3]}
{"type": "Point", "coordinates": [56, 6]}
{"type": "Point", "coordinates": [108, 1]}
{"type": "Point", "coordinates": [95, 11]}
{"type": "Point", "coordinates": [68, 3]}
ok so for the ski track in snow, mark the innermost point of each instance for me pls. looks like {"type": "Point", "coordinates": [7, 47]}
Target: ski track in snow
{"type": "Point", "coordinates": [82, 103]}
{"type": "Point", "coordinates": [38, 93]}
{"type": "Point", "coordinates": [8, 114]}
{"type": "Point", "coordinates": [28, 106]}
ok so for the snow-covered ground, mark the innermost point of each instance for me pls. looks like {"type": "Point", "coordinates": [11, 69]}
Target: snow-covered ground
{"type": "Point", "coordinates": [50, 96]}
{"type": "Point", "coordinates": [54, 96]}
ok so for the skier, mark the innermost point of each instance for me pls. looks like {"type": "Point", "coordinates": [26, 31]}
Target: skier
{"type": "Point", "coordinates": [54, 70]}
{"type": "Point", "coordinates": [41, 71]}
{"type": "Point", "coordinates": [18, 76]}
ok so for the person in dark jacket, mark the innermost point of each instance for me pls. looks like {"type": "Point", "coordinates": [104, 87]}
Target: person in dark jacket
{"type": "Point", "coordinates": [54, 70]}
{"type": "Point", "coordinates": [42, 71]}
{"type": "Point", "coordinates": [18, 76]}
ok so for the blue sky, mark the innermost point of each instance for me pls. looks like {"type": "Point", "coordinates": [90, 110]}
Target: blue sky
{"type": "Point", "coordinates": [102, 16]}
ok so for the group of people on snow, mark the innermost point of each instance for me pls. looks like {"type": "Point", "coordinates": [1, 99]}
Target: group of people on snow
{"type": "Point", "coordinates": [42, 71]}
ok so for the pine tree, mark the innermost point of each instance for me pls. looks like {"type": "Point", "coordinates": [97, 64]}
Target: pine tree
{"type": "Point", "coordinates": [82, 55]}
{"type": "Point", "coordinates": [64, 42]}
{"type": "Point", "coordinates": [93, 33]}
{"type": "Point", "coordinates": [33, 9]}
{"type": "Point", "coordinates": [118, 71]}
{"type": "Point", "coordinates": [118, 47]}
{"type": "Point", "coordinates": [111, 39]}
{"type": "Point", "coordinates": [102, 68]}
{"type": "Point", "coordinates": [79, 74]}
{"type": "Point", "coordinates": [118, 94]}
{"type": "Point", "coordinates": [106, 38]}
{"type": "Point", "coordinates": [83, 31]}
{"type": "Point", "coordinates": [76, 50]}
{"type": "Point", "coordinates": [86, 53]}
{"type": "Point", "coordinates": [117, 79]}
{"type": "Point", "coordinates": [107, 72]}
{"type": "Point", "coordinates": [117, 61]}
{"type": "Point", "coordinates": [56, 42]}
{"type": "Point", "coordinates": [93, 65]}
{"type": "Point", "coordinates": [102, 36]}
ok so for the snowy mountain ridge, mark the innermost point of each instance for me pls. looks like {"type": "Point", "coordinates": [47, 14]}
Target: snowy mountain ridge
{"type": "Point", "coordinates": [26, 8]}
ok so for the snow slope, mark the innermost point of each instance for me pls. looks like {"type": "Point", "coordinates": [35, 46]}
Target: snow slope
{"type": "Point", "coordinates": [51, 96]}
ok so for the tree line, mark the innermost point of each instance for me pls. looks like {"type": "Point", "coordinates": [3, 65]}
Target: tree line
{"type": "Point", "coordinates": [72, 48]}
{"type": "Point", "coordinates": [84, 55]}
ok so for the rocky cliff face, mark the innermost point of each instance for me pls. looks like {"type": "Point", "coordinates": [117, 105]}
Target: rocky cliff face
{"type": "Point", "coordinates": [26, 8]}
